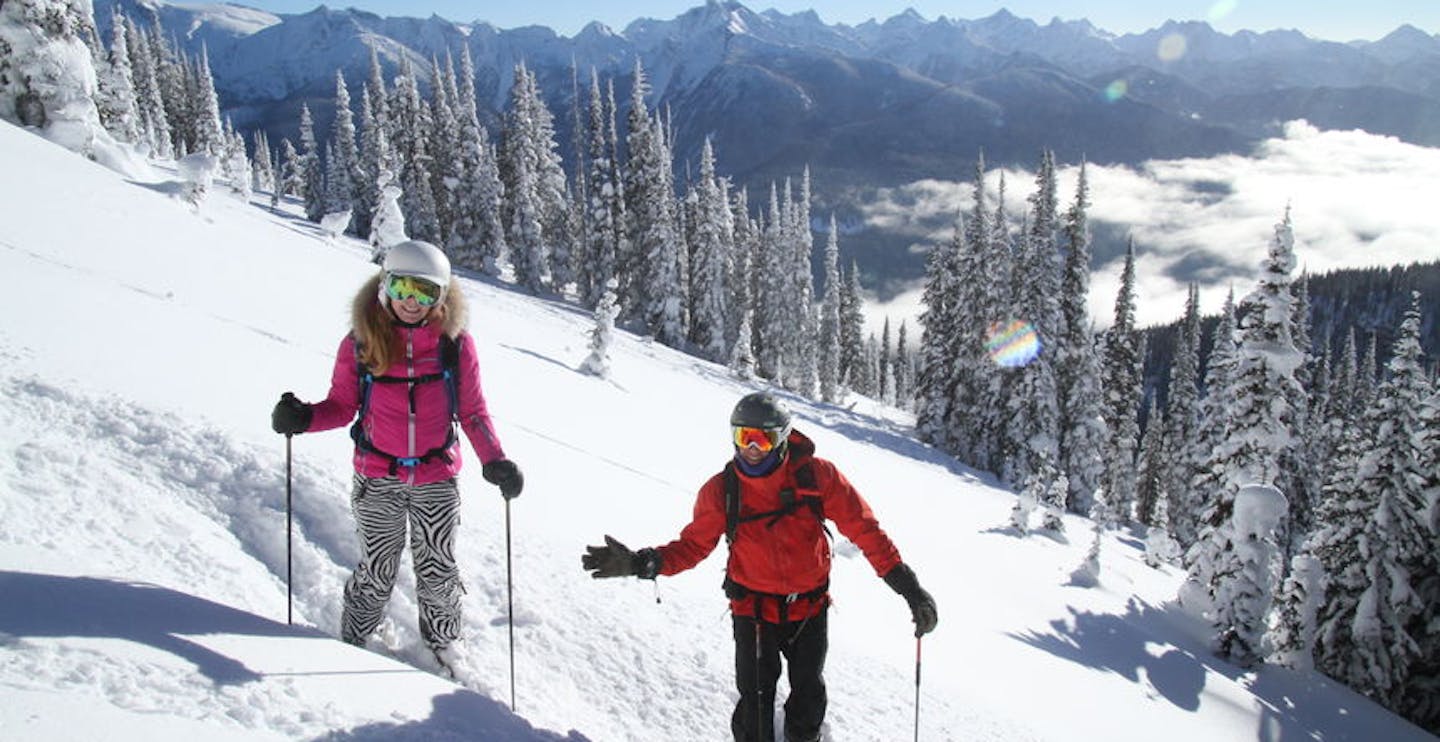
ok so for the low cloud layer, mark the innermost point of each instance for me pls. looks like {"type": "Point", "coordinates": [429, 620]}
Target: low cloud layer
{"type": "Point", "coordinates": [1356, 200]}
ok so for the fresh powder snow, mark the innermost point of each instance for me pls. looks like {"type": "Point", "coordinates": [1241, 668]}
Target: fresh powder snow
{"type": "Point", "coordinates": [143, 546]}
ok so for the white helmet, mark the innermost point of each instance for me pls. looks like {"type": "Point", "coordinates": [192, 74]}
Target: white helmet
{"type": "Point", "coordinates": [419, 259]}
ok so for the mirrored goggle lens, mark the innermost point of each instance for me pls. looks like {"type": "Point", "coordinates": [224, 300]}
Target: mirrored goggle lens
{"type": "Point", "coordinates": [401, 288]}
{"type": "Point", "coordinates": [761, 438]}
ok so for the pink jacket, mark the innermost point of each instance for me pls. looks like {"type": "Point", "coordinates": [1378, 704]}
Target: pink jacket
{"type": "Point", "coordinates": [390, 422]}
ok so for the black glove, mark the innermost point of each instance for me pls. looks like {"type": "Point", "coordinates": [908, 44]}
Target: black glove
{"type": "Point", "coordinates": [614, 559]}
{"type": "Point", "coordinates": [504, 474]}
{"type": "Point", "coordinates": [902, 580]}
{"type": "Point", "coordinates": [290, 416]}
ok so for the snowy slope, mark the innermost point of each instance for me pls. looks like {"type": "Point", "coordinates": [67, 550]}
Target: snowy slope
{"type": "Point", "coordinates": [142, 525]}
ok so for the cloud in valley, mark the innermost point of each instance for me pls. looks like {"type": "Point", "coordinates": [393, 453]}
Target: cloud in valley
{"type": "Point", "coordinates": [1356, 200]}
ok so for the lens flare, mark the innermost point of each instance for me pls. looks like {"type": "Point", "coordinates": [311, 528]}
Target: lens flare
{"type": "Point", "coordinates": [1221, 9]}
{"type": "Point", "coordinates": [1116, 90]}
{"type": "Point", "coordinates": [1012, 344]}
{"type": "Point", "coordinates": [1171, 48]}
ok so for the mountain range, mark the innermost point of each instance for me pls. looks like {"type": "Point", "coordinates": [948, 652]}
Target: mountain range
{"type": "Point", "coordinates": [878, 104]}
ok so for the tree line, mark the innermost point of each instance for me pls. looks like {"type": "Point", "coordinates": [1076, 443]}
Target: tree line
{"type": "Point", "coordinates": [1010, 375]}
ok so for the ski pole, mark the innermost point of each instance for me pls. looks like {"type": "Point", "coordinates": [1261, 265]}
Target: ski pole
{"type": "Point", "coordinates": [510, 600]}
{"type": "Point", "coordinates": [759, 686]}
{"type": "Point", "coordinates": [917, 689]}
{"type": "Point", "coordinates": [289, 599]}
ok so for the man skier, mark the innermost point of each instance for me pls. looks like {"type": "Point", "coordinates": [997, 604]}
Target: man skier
{"type": "Point", "coordinates": [770, 503]}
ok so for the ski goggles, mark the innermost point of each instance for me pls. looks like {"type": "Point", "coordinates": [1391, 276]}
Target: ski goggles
{"type": "Point", "coordinates": [765, 439]}
{"type": "Point", "coordinates": [425, 293]}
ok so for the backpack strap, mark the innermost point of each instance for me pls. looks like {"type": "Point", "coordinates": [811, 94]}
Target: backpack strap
{"type": "Point", "coordinates": [449, 373]}
{"type": "Point", "coordinates": [805, 492]}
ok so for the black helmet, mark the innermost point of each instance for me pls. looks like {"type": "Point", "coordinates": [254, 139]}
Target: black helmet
{"type": "Point", "coordinates": [760, 410]}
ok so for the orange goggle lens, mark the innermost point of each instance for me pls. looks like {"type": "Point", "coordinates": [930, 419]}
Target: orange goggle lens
{"type": "Point", "coordinates": [764, 439]}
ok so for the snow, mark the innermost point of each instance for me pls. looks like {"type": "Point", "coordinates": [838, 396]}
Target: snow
{"type": "Point", "coordinates": [143, 549]}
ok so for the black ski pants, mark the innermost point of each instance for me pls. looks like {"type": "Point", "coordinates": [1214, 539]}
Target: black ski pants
{"type": "Point", "coordinates": [757, 668]}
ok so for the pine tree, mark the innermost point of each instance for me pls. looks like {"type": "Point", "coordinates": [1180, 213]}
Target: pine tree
{"type": "Point", "coordinates": [830, 389]}
{"type": "Point", "coordinates": [446, 149]}
{"type": "Point", "coordinates": [772, 316]}
{"type": "Point", "coordinates": [410, 132]}
{"type": "Point", "coordinates": [603, 336]}
{"type": "Point", "coordinates": [46, 77]}
{"type": "Point", "coordinates": [388, 227]}
{"type": "Point", "coordinates": [1182, 423]}
{"type": "Point", "coordinates": [742, 361]}
{"type": "Point", "coordinates": [1033, 422]}
{"type": "Point", "coordinates": [887, 371]}
{"type": "Point", "coordinates": [478, 233]}
{"type": "Point", "coordinates": [1297, 607]}
{"type": "Point", "coordinates": [1245, 586]}
{"type": "Point", "coordinates": [149, 103]}
{"type": "Point", "coordinates": [904, 370]}
{"type": "Point", "coordinates": [209, 130]}
{"type": "Point", "coordinates": [115, 97]}
{"type": "Point", "coordinates": [292, 171]}
{"type": "Point", "coordinates": [343, 174]}
{"type": "Point", "coordinates": [601, 214]}
{"type": "Point", "coordinates": [1160, 546]}
{"type": "Point", "coordinates": [1395, 540]}
{"type": "Point", "coordinates": [935, 385]}
{"type": "Point", "coordinates": [712, 244]}
{"type": "Point", "coordinates": [1150, 481]}
{"type": "Point", "coordinates": [1120, 389]}
{"type": "Point", "coordinates": [852, 329]}
{"type": "Point", "coordinates": [263, 172]}
{"type": "Point", "coordinates": [312, 182]}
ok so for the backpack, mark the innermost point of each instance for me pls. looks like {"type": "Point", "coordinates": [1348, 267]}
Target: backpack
{"type": "Point", "coordinates": [790, 500]}
{"type": "Point", "coordinates": [449, 373]}
{"type": "Point", "coordinates": [804, 494]}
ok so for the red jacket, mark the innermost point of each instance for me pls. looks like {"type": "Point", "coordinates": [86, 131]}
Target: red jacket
{"type": "Point", "coordinates": [790, 554]}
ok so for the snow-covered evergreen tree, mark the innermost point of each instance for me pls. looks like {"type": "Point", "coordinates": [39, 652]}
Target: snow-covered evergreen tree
{"type": "Point", "coordinates": [388, 227]}
{"type": "Point", "coordinates": [1057, 489]}
{"type": "Point", "coordinates": [263, 164]}
{"type": "Point", "coordinates": [1211, 472]}
{"type": "Point", "coordinates": [477, 238]}
{"type": "Point", "coordinates": [1033, 415]}
{"type": "Point", "coordinates": [1182, 420]}
{"type": "Point", "coordinates": [344, 175]}
{"type": "Point", "coordinates": [603, 211]}
{"type": "Point", "coordinates": [1245, 589]}
{"type": "Point", "coordinates": [47, 77]}
{"type": "Point", "coordinates": [904, 364]}
{"type": "Point", "coordinates": [312, 180]}
{"type": "Point", "coordinates": [209, 130]}
{"type": "Point", "coordinates": [1389, 533]}
{"type": "Point", "coordinates": [150, 105]}
{"type": "Point", "coordinates": [1297, 607]}
{"type": "Point", "coordinates": [712, 246]}
{"type": "Point", "coordinates": [1026, 502]}
{"type": "Point", "coordinates": [1160, 547]}
{"type": "Point", "coordinates": [1121, 392]}
{"type": "Point", "coordinates": [410, 132]}
{"type": "Point", "coordinates": [742, 360]}
{"type": "Point", "coordinates": [1150, 484]}
{"type": "Point", "coordinates": [830, 388]}
{"type": "Point", "coordinates": [852, 331]}
{"type": "Point", "coordinates": [115, 94]}
{"type": "Point", "coordinates": [936, 385]}
{"type": "Point", "coordinates": [603, 335]}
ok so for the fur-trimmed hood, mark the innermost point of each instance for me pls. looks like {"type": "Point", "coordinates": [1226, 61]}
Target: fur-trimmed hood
{"type": "Point", "coordinates": [367, 300]}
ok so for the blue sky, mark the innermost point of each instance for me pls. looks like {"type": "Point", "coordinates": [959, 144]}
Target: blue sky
{"type": "Point", "coordinates": [1339, 20]}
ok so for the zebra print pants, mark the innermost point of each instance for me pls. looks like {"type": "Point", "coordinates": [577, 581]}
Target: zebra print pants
{"type": "Point", "coordinates": [382, 507]}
